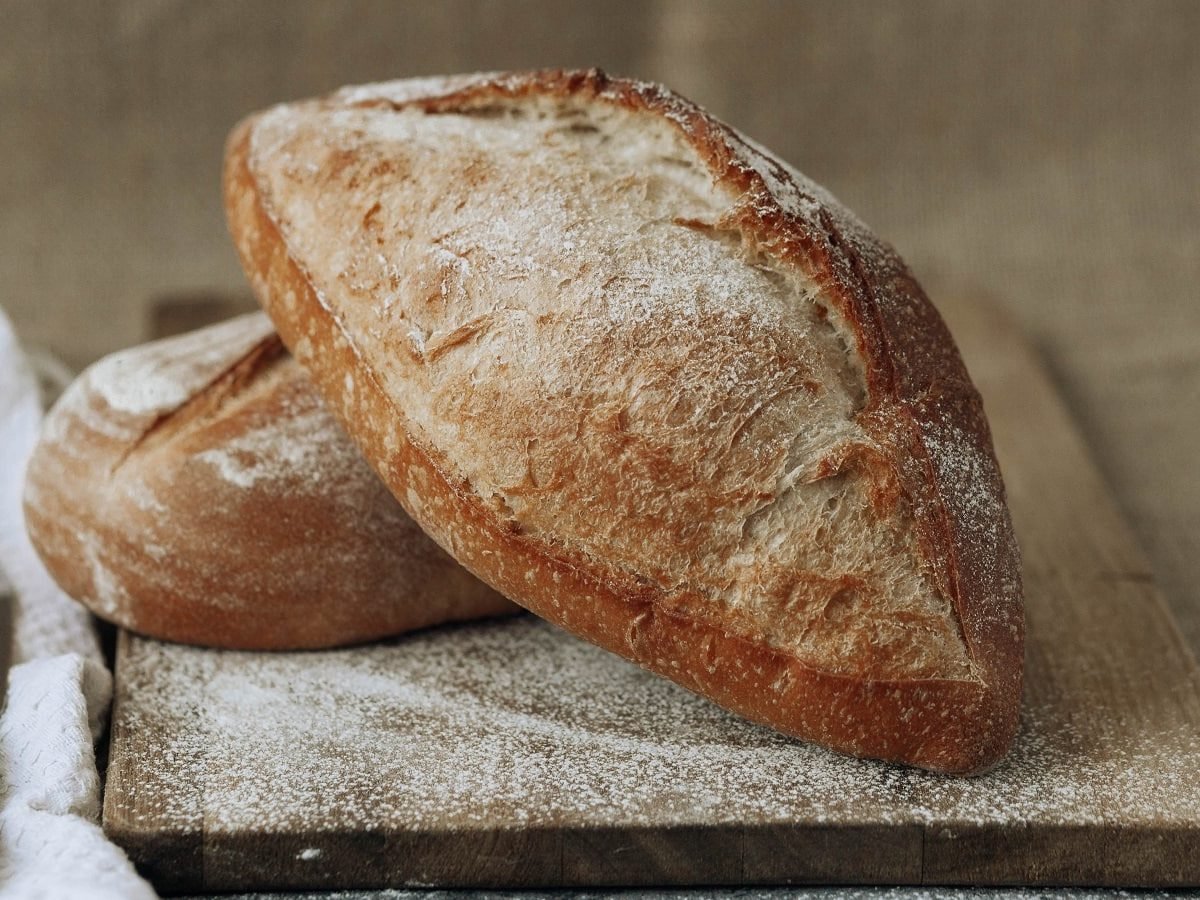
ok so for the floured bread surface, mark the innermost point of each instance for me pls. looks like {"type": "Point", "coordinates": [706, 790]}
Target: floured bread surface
{"type": "Point", "coordinates": [580, 327]}
{"type": "Point", "coordinates": [650, 382]}
{"type": "Point", "coordinates": [197, 489]}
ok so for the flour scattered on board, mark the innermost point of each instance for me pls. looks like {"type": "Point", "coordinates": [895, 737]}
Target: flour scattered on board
{"type": "Point", "coordinates": [515, 722]}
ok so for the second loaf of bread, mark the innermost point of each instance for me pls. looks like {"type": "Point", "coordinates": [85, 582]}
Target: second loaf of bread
{"type": "Point", "coordinates": [196, 489]}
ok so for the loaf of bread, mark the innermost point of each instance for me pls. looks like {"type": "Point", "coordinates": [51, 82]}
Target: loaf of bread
{"type": "Point", "coordinates": [653, 384]}
{"type": "Point", "coordinates": [197, 490]}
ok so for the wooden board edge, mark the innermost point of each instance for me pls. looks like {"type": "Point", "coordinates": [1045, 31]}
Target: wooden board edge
{"type": "Point", "coordinates": [685, 856]}
{"type": "Point", "coordinates": [1076, 856]}
{"type": "Point", "coordinates": [170, 859]}
{"type": "Point", "coordinates": [548, 857]}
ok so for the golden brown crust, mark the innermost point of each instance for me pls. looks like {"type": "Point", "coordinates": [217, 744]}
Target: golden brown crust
{"type": "Point", "coordinates": [921, 405]}
{"type": "Point", "coordinates": [197, 490]}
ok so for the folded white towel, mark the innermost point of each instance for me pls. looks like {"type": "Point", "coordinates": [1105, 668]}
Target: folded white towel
{"type": "Point", "coordinates": [51, 844]}
{"type": "Point", "coordinates": [51, 840]}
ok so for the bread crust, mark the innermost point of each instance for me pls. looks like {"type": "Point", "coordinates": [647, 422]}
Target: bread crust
{"type": "Point", "coordinates": [197, 490]}
{"type": "Point", "coordinates": [921, 409]}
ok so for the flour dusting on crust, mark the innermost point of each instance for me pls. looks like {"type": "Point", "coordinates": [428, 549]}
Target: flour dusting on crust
{"type": "Point", "coordinates": [152, 381]}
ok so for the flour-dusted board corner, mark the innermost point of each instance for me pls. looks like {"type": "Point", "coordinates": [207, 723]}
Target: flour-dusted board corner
{"type": "Point", "coordinates": [507, 754]}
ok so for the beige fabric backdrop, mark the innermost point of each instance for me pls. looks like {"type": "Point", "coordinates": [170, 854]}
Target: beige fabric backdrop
{"type": "Point", "coordinates": [1047, 154]}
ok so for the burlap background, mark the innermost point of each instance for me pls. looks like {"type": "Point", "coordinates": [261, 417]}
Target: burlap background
{"type": "Point", "coordinates": [1044, 153]}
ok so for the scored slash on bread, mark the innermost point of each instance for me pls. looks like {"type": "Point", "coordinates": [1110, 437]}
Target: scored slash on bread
{"type": "Point", "coordinates": [656, 386]}
{"type": "Point", "coordinates": [197, 490]}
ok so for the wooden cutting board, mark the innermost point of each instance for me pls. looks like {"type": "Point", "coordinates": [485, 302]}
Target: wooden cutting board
{"type": "Point", "coordinates": [510, 754]}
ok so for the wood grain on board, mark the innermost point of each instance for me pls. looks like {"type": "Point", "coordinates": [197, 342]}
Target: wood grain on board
{"type": "Point", "coordinates": [510, 754]}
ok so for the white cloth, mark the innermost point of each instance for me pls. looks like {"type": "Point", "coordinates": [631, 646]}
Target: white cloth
{"type": "Point", "coordinates": [51, 844]}
{"type": "Point", "coordinates": [47, 621]}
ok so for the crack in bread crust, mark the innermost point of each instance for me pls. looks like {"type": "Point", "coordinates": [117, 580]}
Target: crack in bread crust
{"type": "Point", "coordinates": [206, 402]}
